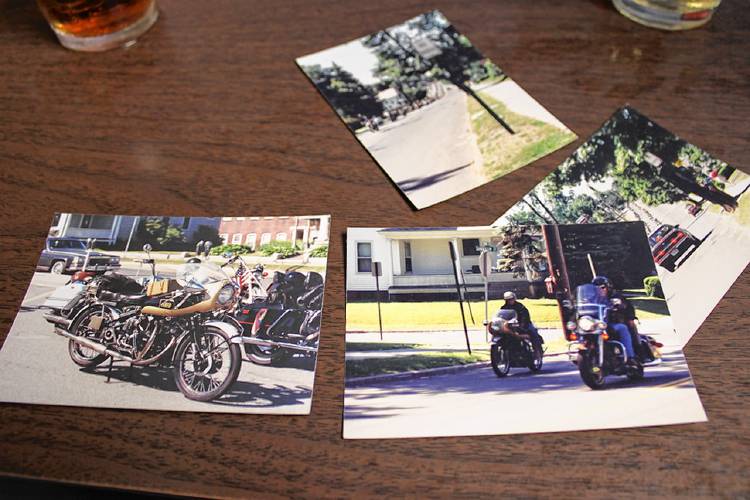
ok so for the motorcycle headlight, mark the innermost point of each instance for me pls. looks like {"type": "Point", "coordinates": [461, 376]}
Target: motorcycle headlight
{"type": "Point", "coordinates": [225, 295]}
{"type": "Point", "coordinates": [114, 260]}
{"type": "Point", "coordinates": [495, 326]}
{"type": "Point", "coordinates": [586, 323]}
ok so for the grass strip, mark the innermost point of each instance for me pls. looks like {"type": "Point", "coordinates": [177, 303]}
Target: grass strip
{"type": "Point", "coordinates": [381, 366]}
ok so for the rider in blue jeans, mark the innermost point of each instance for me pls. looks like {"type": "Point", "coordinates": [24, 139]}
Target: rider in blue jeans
{"type": "Point", "coordinates": [622, 316]}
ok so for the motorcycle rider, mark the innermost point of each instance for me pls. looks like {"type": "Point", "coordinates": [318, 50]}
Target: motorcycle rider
{"type": "Point", "coordinates": [524, 317]}
{"type": "Point", "coordinates": [622, 318]}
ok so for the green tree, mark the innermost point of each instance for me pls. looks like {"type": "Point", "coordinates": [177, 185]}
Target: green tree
{"type": "Point", "coordinates": [346, 94]}
{"type": "Point", "coordinates": [521, 251]}
{"type": "Point", "coordinates": [206, 233]}
{"type": "Point", "coordinates": [159, 233]}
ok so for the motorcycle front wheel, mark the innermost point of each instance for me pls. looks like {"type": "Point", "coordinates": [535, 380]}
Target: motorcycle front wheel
{"type": "Point", "coordinates": [592, 375]}
{"type": "Point", "coordinates": [81, 355]}
{"type": "Point", "coordinates": [500, 359]}
{"type": "Point", "coordinates": [205, 370]}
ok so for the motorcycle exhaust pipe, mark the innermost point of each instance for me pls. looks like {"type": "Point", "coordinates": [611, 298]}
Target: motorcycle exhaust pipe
{"type": "Point", "coordinates": [271, 343]}
{"type": "Point", "coordinates": [58, 320]}
{"type": "Point", "coordinates": [95, 346]}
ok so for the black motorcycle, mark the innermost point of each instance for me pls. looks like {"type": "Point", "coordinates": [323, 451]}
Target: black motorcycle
{"type": "Point", "coordinates": [511, 346]}
{"type": "Point", "coordinates": [168, 322]}
{"type": "Point", "coordinates": [287, 321]}
{"type": "Point", "coordinates": [594, 347]}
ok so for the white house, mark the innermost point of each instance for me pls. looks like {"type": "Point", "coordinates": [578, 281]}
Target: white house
{"type": "Point", "coordinates": [416, 263]}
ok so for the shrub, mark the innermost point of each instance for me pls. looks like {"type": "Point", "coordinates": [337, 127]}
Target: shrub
{"type": "Point", "coordinates": [321, 251]}
{"type": "Point", "coordinates": [284, 248]}
{"type": "Point", "coordinates": [231, 249]}
{"type": "Point", "coordinates": [652, 284]}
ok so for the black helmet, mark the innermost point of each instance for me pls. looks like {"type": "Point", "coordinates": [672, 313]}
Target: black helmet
{"type": "Point", "coordinates": [601, 281]}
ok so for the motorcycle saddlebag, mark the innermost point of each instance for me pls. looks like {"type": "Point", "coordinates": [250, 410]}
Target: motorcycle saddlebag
{"type": "Point", "coordinates": [158, 287]}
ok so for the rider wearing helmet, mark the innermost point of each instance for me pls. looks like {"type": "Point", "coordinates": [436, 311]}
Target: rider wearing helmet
{"type": "Point", "coordinates": [524, 317]}
{"type": "Point", "coordinates": [621, 317]}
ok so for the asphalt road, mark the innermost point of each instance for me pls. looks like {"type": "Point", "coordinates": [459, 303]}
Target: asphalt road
{"type": "Point", "coordinates": [698, 284]}
{"type": "Point", "coordinates": [431, 154]}
{"type": "Point", "coordinates": [477, 402]}
{"type": "Point", "coordinates": [38, 369]}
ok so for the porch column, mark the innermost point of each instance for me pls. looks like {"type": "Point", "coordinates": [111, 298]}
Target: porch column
{"type": "Point", "coordinates": [396, 258]}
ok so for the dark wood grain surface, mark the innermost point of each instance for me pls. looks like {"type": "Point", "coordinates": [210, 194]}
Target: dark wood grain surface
{"type": "Point", "coordinates": [208, 115]}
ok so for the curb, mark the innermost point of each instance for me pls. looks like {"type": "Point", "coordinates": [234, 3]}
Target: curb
{"type": "Point", "coordinates": [443, 370]}
{"type": "Point", "coordinates": [392, 377]}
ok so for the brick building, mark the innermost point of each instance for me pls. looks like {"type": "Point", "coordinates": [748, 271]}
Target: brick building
{"type": "Point", "coordinates": [311, 230]}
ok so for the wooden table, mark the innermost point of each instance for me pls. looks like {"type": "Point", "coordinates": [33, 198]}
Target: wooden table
{"type": "Point", "coordinates": [208, 115]}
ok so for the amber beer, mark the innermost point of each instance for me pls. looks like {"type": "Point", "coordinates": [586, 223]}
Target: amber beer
{"type": "Point", "coordinates": [98, 24]}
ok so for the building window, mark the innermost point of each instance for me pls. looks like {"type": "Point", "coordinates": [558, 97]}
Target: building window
{"type": "Point", "coordinates": [240, 218]}
{"type": "Point", "coordinates": [224, 238]}
{"type": "Point", "coordinates": [226, 218]}
{"type": "Point", "coordinates": [265, 238]}
{"type": "Point", "coordinates": [254, 218]}
{"type": "Point", "coordinates": [364, 257]}
{"type": "Point", "coordinates": [280, 236]}
{"type": "Point", "coordinates": [236, 238]}
{"type": "Point", "coordinates": [471, 247]}
{"type": "Point", "coordinates": [407, 257]}
{"type": "Point", "coordinates": [185, 222]}
{"type": "Point", "coordinates": [250, 241]}
{"type": "Point", "coordinates": [55, 220]}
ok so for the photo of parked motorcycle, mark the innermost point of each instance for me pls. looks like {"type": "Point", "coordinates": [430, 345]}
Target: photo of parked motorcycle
{"type": "Point", "coordinates": [165, 321]}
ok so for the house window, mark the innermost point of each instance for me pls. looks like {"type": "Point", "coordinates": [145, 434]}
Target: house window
{"type": "Point", "coordinates": [407, 257]}
{"type": "Point", "coordinates": [364, 257]}
{"type": "Point", "coordinates": [185, 222]}
{"type": "Point", "coordinates": [56, 220]}
{"type": "Point", "coordinates": [471, 246]}
{"type": "Point", "coordinates": [224, 238]}
{"type": "Point", "coordinates": [240, 218]}
{"type": "Point", "coordinates": [280, 236]}
{"type": "Point", "coordinates": [226, 218]}
{"type": "Point", "coordinates": [236, 238]}
{"type": "Point", "coordinates": [250, 240]}
{"type": "Point", "coordinates": [265, 238]}
{"type": "Point", "coordinates": [254, 218]}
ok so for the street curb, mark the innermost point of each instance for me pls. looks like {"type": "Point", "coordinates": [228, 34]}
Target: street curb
{"type": "Point", "coordinates": [443, 370]}
{"type": "Point", "coordinates": [392, 377]}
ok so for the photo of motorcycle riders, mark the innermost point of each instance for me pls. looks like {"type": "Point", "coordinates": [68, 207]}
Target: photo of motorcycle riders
{"type": "Point", "coordinates": [577, 335]}
{"type": "Point", "coordinates": [213, 314]}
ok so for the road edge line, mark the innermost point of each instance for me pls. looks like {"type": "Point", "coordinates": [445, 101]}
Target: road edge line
{"type": "Point", "coordinates": [392, 377]}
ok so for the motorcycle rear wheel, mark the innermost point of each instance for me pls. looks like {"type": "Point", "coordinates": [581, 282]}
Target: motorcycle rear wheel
{"type": "Point", "coordinates": [193, 370]}
{"type": "Point", "coordinates": [81, 355]}
{"type": "Point", "coordinates": [593, 379]}
{"type": "Point", "coordinates": [500, 359]}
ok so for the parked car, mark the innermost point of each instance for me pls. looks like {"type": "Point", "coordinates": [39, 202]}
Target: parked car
{"type": "Point", "coordinates": [68, 255]}
{"type": "Point", "coordinates": [670, 246]}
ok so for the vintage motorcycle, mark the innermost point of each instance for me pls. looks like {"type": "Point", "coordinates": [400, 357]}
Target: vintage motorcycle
{"type": "Point", "coordinates": [593, 349]}
{"type": "Point", "coordinates": [169, 322]}
{"type": "Point", "coordinates": [287, 321]}
{"type": "Point", "coordinates": [511, 346]}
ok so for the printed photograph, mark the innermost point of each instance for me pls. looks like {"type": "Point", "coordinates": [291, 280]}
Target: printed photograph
{"type": "Point", "coordinates": [693, 206]}
{"type": "Point", "coordinates": [435, 114]}
{"type": "Point", "coordinates": [455, 331]}
{"type": "Point", "coordinates": [210, 314]}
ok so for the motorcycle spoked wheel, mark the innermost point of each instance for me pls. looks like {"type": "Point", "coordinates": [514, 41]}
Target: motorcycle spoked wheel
{"type": "Point", "coordinates": [82, 355]}
{"type": "Point", "coordinates": [537, 358]}
{"type": "Point", "coordinates": [592, 375]}
{"type": "Point", "coordinates": [205, 372]}
{"type": "Point", "coordinates": [500, 359]}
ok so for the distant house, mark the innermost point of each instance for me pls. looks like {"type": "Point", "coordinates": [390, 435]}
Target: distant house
{"type": "Point", "coordinates": [416, 264]}
{"type": "Point", "coordinates": [309, 231]}
{"type": "Point", "coordinates": [116, 229]}
{"type": "Point", "coordinates": [392, 100]}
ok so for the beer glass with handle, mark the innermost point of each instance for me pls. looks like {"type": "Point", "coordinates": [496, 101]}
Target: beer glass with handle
{"type": "Point", "coordinates": [97, 25]}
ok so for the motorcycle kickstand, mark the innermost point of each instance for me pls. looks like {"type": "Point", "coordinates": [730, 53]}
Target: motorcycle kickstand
{"type": "Point", "coordinates": [109, 369]}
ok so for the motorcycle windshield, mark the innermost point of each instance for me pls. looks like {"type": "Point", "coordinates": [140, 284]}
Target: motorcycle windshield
{"type": "Point", "coordinates": [590, 302]}
{"type": "Point", "coordinates": [506, 314]}
{"type": "Point", "coordinates": [200, 274]}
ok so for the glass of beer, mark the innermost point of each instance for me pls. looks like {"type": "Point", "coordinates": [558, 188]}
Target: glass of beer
{"type": "Point", "coordinates": [668, 14]}
{"type": "Point", "coordinates": [96, 25]}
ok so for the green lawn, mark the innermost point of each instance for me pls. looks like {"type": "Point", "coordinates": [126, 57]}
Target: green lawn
{"type": "Point", "coordinates": [502, 152]}
{"type": "Point", "coordinates": [400, 364]}
{"type": "Point", "coordinates": [420, 316]}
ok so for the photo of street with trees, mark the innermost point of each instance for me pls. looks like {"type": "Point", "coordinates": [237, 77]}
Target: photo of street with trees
{"type": "Point", "coordinates": [438, 116]}
{"type": "Point", "coordinates": [692, 205]}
